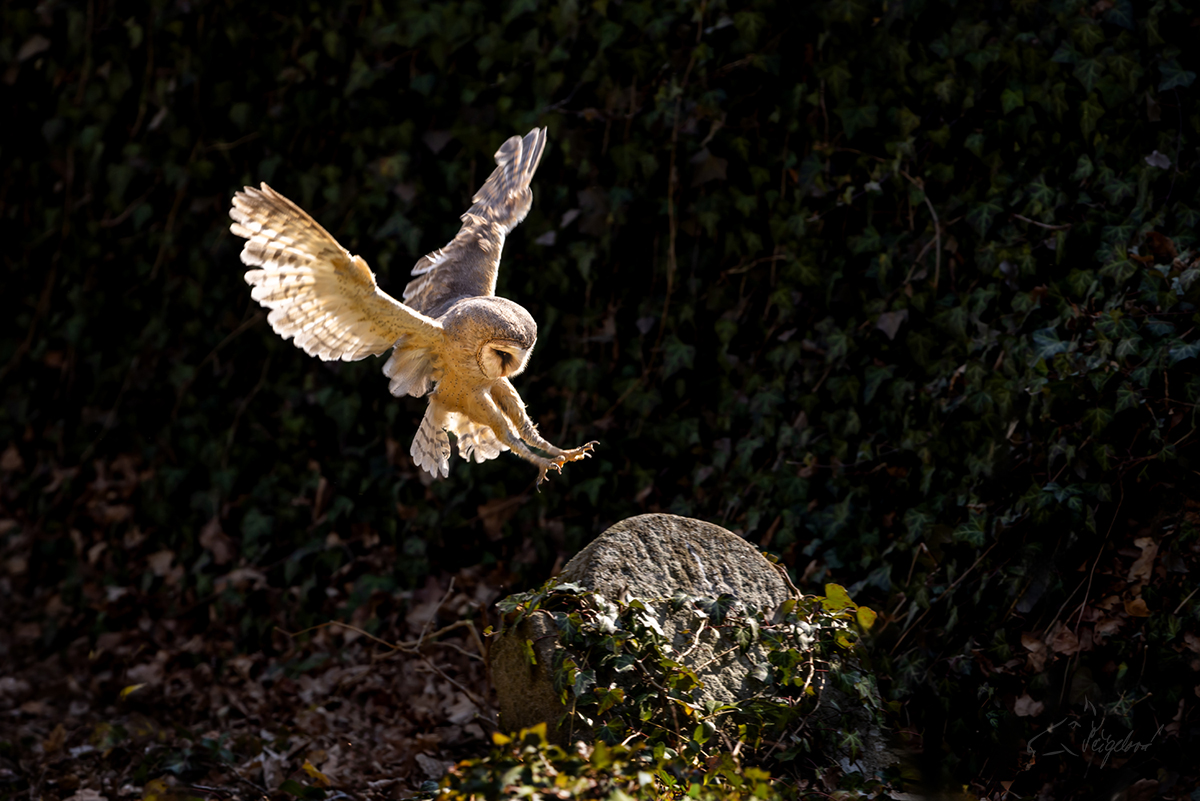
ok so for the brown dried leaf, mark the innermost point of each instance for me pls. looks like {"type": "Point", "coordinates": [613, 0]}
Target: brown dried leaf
{"type": "Point", "coordinates": [1137, 608]}
{"type": "Point", "coordinates": [216, 541]}
{"type": "Point", "coordinates": [889, 322]}
{"type": "Point", "coordinates": [1026, 707]}
{"type": "Point", "coordinates": [10, 460]}
{"type": "Point", "coordinates": [1144, 564]}
{"type": "Point", "coordinates": [56, 740]}
{"type": "Point", "coordinates": [1064, 642]}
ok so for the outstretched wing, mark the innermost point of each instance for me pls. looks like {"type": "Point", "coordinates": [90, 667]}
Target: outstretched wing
{"type": "Point", "coordinates": [317, 291]}
{"type": "Point", "coordinates": [467, 266]}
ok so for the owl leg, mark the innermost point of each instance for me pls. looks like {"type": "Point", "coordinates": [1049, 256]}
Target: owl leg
{"type": "Point", "coordinates": [513, 407]}
{"type": "Point", "coordinates": [492, 415]}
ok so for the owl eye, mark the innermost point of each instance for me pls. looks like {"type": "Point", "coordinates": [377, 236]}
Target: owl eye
{"type": "Point", "coordinates": [505, 358]}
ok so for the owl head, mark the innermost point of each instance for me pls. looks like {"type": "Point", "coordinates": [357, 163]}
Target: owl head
{"type": "Point", "coordinates": [504, 331]}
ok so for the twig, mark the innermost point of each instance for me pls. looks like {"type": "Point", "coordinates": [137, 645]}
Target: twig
{"type": "Point", "coordinates": [1092, 572]}
{"type": "Point", "coordinates": [1047, 226]}
{"type": "Point", "coordinates": [945, 594]}
{"type": "Point", "coordinates": [937, 226]}
{"type": "Point", "coordinates": [409, 647]}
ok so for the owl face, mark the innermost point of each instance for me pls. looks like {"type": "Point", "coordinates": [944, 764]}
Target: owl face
{"type": "Point", "coordinates": [502, 358]}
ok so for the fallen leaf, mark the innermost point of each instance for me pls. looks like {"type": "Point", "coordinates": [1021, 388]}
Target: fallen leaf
{"type": "Point", "coordinates": [1026, 707]}
{"type": "Point", "coordinates": [216, 541]}
{"type": "Point", "coordinates": [1064, 642]}
{"type": "Point", "coordinates": [1137, 608]}
{"type": "Point", "coordinates": [130, 690]}
{"type": "Point", "coordinates": [889, 322]}
{"type": "Point", "coordinates": [1144, 564]}
{"type": "Point", "coordinates": [160, 563]}
{"type": "Point", "coordinates": [10, 460]}
{"type": "Point", "coordinates": [319, 778]}
{"type": "Point", "coordinates": [56, 740]}
{"type": "Point", "coordinates": [86, 794]}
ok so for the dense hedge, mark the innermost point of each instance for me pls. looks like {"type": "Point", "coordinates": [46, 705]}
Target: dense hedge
{"type": "Point", "coordinates": [903, 291]}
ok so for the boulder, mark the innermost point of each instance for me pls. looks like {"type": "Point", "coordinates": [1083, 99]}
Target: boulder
{"type": "Point", "coordinates": [652, 557]}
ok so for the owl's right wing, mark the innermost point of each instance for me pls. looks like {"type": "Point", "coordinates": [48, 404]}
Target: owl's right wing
{"type": "Point", "coordinates": [467, 266]}
{"type": "Point", "coordinates": [317, 291]}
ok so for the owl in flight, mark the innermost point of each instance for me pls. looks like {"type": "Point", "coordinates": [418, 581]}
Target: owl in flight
{"type": "Point", "coordinates": [451, 333]}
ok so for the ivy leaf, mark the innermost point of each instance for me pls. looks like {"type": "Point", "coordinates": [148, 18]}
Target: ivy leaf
{"type": "Point", "coordinates": [1181, 351]}
{"type": "Point", "coordinates": [1083, 169]}
{"type": "Point", "coordinates": [981, 215]}
{"type": "Point", "coordinates": [865, 617]}
{"type": "Point", "coordinates": [1174, 76]}
{"type": "Point", "coordinates": [1090, 111]}
{"type": "Point", "coordinates": [855, 118]}
{"type": "Point", "coordinates": [1065, 54]}
{"type": "Point", "coordinates": [1088, 70]}
{"type": "Point", "coordinates": [1046, 343]}
{"type": "Point", "coordinates": [1127, 397]}
{"type": "Point", "coordinates": [1011, 99]}
{"type": "Point", "coordinates": [676, 355]}
{"type": "Point", "coordinates": [836, 598]}
{"type": "Point", "coordinates": [1121, 13]}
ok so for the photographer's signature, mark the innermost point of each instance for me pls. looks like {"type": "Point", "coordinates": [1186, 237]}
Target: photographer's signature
{"type": "Point", "coordinates": [1098, 741]}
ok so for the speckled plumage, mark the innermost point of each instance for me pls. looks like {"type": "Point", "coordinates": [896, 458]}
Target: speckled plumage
{"type": "Point", "coordinates": [451, 333]}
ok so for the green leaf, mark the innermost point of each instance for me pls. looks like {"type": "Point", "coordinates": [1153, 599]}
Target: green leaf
{"type": "Point", "coordinates": [855, 118]}
{"type": "Point", "coordinates": [1083, 168]}
{"type": "Point", "coordinates": [1182, 351]}
{"type": "Point", "coordinates": [1011, 99]}
{"type": "Point", "coordinates": [836, 598]}
{"type": "Point", "coordinates": [1046, 343]}
{"type": "Point", "coordinates": [1090, 111]}
{"type": "Point", "coordinates": [1174, 76]}
{"type": "Point", "coordinates": [981, 215]}
{"type": "Point", "coordinates": [1088, 71]}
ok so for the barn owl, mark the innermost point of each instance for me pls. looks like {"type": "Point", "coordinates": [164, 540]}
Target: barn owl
{"type": "Point", "coordinates": [451, 334]}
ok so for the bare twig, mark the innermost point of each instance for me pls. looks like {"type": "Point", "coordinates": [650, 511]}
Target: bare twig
{"type": "Point", "coordinates": [937, 226]}
{"type": "Point", "coordinates": [1047, 226]}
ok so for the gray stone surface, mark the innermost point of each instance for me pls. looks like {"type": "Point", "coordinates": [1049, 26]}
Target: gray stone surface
{"type": "Point", "coordinates": [651, 557]}
{"type": "Point", "coordinates": [659, 556]}
{"type": "Point", "coordinates": [654, 558]}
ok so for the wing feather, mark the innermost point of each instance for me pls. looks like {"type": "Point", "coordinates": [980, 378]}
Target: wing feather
{"type": "Point", "coordinates": [467, 266]}
{"type": "Point", "coordinates": [320, 295]}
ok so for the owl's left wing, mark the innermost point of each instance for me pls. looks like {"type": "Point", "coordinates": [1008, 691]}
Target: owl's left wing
{"type": "Point", "coordinates": [467, 266]}
{"type": "Point", "coordinates": [317, 291]}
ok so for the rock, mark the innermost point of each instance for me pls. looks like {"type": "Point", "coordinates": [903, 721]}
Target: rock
{"type": "Point", "coordinates": [652, 557]}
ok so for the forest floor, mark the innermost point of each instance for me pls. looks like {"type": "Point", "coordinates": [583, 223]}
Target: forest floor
{"type": "Point", "coordinates": [170, 708]}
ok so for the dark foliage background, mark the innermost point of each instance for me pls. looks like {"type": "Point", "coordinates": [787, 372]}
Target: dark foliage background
{"type": "Point", "coordinates": [904, 292]}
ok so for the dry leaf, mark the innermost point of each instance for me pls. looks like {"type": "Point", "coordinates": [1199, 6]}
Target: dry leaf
{"type": "Point", "coordinates": [889, 322]}
{"type": "Point", "coordinates": [10, 460]}
{"type": "Point", "coordinates": [1026, 707]}
{"type": "Point", "coordinates": [319, 778]}
{"type": "Point", "coordinates": [1137, 608]}
{"type": "Point", "coordinates": [86, 794]}
{"type": "Point", "coordinates": [1144, 565]}
{"type": "Point", "coordinates": [56, 740]}
{"type": "Point", "coordinates": [216, 541]}
{"type": "Point", "coordinates": [1064, 642]}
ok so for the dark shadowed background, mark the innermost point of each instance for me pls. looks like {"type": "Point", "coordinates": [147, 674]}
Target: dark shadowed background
{"type": "Point", "coordinates": [904, 293]}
